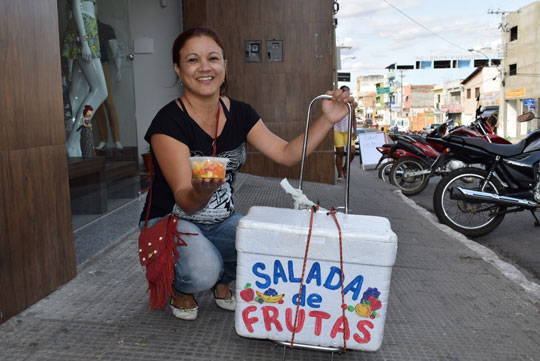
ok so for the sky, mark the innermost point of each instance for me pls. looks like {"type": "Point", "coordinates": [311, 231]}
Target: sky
{"type": "Point", "coordinates": [383, 32]}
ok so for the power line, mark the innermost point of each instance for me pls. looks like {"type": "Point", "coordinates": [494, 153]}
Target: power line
{"type": "Point", "coordinates": [425, 27]}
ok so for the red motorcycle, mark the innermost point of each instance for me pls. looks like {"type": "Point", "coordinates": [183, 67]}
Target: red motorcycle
{"type": "Point", "coordinates": [412, 174]}
{"type": "Point", "coordinates": [410, 146]}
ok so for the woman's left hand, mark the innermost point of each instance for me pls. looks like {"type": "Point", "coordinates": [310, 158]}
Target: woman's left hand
{"type": "Point", "coordinates": [334, 110]}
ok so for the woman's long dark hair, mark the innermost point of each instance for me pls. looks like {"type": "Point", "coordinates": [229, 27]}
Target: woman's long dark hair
{"type": "Point", "coordinates": [191, 33]}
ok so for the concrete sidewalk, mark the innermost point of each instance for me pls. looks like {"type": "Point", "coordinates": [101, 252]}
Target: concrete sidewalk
{"type": "Point", "coordinates": [449, 300]}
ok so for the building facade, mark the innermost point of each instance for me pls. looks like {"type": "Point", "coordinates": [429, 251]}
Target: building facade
{"type": "Point", "coordinates": [480, 89]}
{"type": "Point", "coordinates": [366, 95]}
{"type": "Point", "coordinates": [50, 194]}
{"type": "Point", "coordinates": [522, 69]}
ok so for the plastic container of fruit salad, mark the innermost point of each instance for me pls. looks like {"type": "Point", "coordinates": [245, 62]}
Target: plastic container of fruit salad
{"type": "Point", "coordinates": [208, 167]}
{"type": "Point", "coordinates": [271, 245]}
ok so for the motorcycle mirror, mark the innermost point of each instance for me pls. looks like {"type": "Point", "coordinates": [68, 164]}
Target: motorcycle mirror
{"type": "Point", "coordinates": [525, 117]}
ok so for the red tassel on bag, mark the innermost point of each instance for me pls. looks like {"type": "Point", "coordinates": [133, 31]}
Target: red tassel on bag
{"type": "Point", "coordinates": [157, 252]}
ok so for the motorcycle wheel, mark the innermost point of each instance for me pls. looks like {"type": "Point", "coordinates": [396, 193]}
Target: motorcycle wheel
{"type": "Point", "coordinates": [384, 171]}
{"type": "Point", "coordinates": [472, 219]}
{"type": "Point", "coordinates": [409, 184]}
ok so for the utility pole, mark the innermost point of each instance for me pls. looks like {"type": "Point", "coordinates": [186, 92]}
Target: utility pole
{"type": "Point", "coordinates": [401, 90]}
{"type": "Point", "coordinates": [502, 70]}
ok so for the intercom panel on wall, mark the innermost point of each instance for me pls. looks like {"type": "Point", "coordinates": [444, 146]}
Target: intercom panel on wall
{"type": "Point", "coordinates": [253, 51]}
{"type": "Point", "coordinates": [274, 50]}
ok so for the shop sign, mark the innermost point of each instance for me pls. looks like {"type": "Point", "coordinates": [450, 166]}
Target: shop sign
{"type": "Point", "coordinates": [490, 98]}
{"type": "Point", "coordinates": [515, 93]}
{"type": "Point", "coordinates": [383, 90]}
{"type": "Point", "coordinates": [345, 77]}
{"type": "Point", "coordinates": [529, 102]}
{"type": "Point", "coordinates": [452, 108]}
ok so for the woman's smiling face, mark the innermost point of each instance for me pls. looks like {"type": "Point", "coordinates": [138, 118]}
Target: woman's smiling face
{"type": "Point", "coordinates": [202, 66]}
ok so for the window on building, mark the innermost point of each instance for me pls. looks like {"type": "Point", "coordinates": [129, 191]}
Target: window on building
{"type": "Point", "coordinates": [512, 69]}
{"type": "Point", "coordinates": [495, 61]}
{"type": "Point", "coordinates": [438, 98]}
{"type": "Point", "coordinates": [481, 62]}
{"type": "Point", "coordinates": [463, 63]}
{"type": "Point", "coordinates": [514, 33]}
{"type": "Point", "coordinates": [423, 64]}
{"type": "Point", "coordinates": [108, 176]}
{"type": "Point", "coordinates": [441, 64]}
{"type": "Point", "coordinates": [476, 92]}
{"type": "Point", "coordinates": [469, 93]}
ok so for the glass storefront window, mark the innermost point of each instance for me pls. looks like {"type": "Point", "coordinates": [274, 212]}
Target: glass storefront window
{"type": "Point", "coordinates": [101, 144]}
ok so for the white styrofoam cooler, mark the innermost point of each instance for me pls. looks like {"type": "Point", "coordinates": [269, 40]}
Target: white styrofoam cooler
{"type": "Point", "coordinates": [271, 244]}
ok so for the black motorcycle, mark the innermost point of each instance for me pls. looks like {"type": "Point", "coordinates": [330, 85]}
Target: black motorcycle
{"type": "Point", "coordinates": [502, 179]}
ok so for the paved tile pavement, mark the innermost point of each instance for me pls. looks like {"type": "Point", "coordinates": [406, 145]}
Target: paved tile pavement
{"type": "Point", "coordinates": [446, 302]}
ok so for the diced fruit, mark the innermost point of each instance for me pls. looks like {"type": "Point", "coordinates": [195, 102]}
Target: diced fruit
{"type": "Point", "coordinates": [208, 169]}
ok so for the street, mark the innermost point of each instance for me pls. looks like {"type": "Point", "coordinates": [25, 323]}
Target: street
{"type": "Point", "coordinates": [516, 239]}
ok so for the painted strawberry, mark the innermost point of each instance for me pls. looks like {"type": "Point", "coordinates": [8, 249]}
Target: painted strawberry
{"type": "Point", "coordinates": [375, 305]}
{"type": "Point", "coordinates": [247, 294]}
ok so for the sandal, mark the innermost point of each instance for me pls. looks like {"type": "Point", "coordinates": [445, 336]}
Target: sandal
{"type": "Point", "coordinates": [184, 313]}
{"type": "Point", "coordinates": [228, 303]}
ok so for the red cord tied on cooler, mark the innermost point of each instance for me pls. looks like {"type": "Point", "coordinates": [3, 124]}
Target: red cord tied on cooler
{"type": "Point", "coordinates": [314, 209]}
{"type": "Point", "coordinates": [332, 212]}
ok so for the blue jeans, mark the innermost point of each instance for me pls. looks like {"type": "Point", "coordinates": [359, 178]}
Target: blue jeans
{"type": "Point", "coordinates": [210, 256]}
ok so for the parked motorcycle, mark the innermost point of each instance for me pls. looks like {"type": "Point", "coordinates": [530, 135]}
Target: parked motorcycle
{"type": "Point", "coordinates": [403, 173]}
{"type": "Point", "coordinates": [404, 146]}
{"type": "Point", "coordinates": [474, 200]}
{"type": "Point", "coordinates": [387, 152]}
{"type": "Point", "coordinates": [412, 175]}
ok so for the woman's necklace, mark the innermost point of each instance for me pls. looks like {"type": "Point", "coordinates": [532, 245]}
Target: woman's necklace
{"type": "Point", "coordinates": [214, 142]}
{"type": "Point", "coordinates": [206, 121]}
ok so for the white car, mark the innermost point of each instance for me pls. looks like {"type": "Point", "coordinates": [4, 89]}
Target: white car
{"type": "Point", "coordinates": [429, 128]}
{"type": "Point", "coordinates": [400, 125]}
{"type": "Point", "coordinates": [357, 142]}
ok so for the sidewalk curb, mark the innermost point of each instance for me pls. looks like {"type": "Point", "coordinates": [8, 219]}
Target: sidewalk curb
{"type": "Point", "coordinates": [508, 270]}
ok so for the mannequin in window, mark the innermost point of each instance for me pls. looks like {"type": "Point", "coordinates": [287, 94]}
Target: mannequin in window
{"type": "Point", "coordinates": [107, 110]}
{"type": "Point", "coordinates": [88, 84]}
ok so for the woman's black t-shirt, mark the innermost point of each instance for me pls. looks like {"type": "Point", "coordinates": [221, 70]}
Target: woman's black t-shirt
{"type": "Point", "coordinates": [231, 143]}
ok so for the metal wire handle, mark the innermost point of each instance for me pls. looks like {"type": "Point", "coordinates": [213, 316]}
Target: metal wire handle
{"type": "Point", "coordinates": [304, 149]}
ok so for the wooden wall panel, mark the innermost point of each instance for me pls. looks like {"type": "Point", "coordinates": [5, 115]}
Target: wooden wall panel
{"type": "Point", "coordinates": [36, 236]}
{"type": "Point", "coordinates": [8, 303]}
{"type": "Point", "coordinates": [39, 207]}
{"type": "Point", "coordinates": [196, 15]}
{"type": "Point", "coordinates": [279, 91]}
{"type": "Point", "coordinates": [32, 99]}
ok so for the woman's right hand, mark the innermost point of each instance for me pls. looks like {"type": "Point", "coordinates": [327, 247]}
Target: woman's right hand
{"type": "Point", "coordinates": [206, 186]}
{"type": "Point", "coordinates": [335, 109]}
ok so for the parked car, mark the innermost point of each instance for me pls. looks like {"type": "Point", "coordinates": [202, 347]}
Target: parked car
{"type": "Point", "coordinates": [368, 123]}
{"type": "Point", "coordinates": [429, 128]}
{"type": "Point", "coordinates": [357, 142]}
{"type": "Point", "coordinates": [399, 125]}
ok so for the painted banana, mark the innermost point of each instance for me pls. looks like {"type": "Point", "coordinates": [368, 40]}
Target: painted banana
{"type": "Point", "coordinates": [270, 299]}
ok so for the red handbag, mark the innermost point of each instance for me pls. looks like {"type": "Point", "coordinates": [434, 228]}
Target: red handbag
{"type": "Point", "coordinates": [157, 252]}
